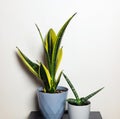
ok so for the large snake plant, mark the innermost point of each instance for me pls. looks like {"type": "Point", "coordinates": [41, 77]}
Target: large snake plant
{"type": "Point", "coordinates": [53, 54]}
{"type": "Point", "coordinates": [77, 100]}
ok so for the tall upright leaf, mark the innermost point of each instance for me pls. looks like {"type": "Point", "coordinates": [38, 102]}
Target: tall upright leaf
{"type": "Point", "coordinates": [40, 33]}
{"type": "Point", "coordinates": [57, 44]}
{"type": "Point", "coordinates": [45, 45]}
{"type": "Point", "coordinates": [50, 42]}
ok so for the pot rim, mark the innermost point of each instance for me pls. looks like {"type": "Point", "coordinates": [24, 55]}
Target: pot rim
{"type": "Point", "coordinates": [61, 88]}
{"type": "Point", "coordinates": [88, 103]}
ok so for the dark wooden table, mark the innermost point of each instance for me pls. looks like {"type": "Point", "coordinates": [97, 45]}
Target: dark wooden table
{"type": "Point", "coordinates": [38, 115]}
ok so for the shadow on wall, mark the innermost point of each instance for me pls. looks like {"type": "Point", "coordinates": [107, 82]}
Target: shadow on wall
{"type": "Point", "coordinates": [31, 116]}
{"type": "Point", "coordinates": [36, 102]}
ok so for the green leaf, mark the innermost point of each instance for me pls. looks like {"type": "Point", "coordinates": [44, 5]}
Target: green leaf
{"type": "Point", "coordinates": [53, 36]}
{"type": "Point", "coordinates": [45, 76]}
{"type": "Point", "coordinates": [57, 44]}
{"type": "Point", "coordinates": [44, 45]}
{"type": "Point", "coordinates": [50, 41]}
{"type": "Point", "coordinates": [48, 45]}
{"type": "Point", "coordinates": [73, 101]}
{"type": "Point", "coordinates": [92, 94]}
{"type": "Point", "coordinates": [33, 67]}
{"type": "Point", "coordinates": [58, 79]}
{"type": "Point", "coordinates": [72, 87]}
{"type": "Point", "coordinates": [40, 33]}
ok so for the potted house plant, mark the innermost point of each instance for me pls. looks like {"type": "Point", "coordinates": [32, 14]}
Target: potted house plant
{"type": "Point", "coordinates": [51, 97]}
{"type": "Point", "coordinates": [79, 108]}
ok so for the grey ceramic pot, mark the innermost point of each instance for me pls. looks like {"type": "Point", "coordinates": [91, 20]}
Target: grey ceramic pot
{"type": "Point", "coordinates": [52, 105]}
{"type": "Point", "coordinates": [79, 112]}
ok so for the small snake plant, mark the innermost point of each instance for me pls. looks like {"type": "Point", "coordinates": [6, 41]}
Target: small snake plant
{"type": "Point", "coordinates": [78, 100]}
{"type": "Point", "coordinates": [53, 52]}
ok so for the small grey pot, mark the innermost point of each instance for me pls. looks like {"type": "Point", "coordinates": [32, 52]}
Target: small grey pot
{"type": "Point", "coordinates": [79, 112]}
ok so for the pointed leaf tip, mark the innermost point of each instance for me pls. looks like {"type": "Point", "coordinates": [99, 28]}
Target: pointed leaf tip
{"type": "Point", "coordinates": [33, 67]}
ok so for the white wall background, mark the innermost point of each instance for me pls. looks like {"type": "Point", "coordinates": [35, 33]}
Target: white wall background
{"type": "Point", "coordinates": [91, 51]}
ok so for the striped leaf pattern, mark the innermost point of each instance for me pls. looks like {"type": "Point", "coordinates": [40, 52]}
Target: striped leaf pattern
{"type": "Point", "coordinates": [77, 100]}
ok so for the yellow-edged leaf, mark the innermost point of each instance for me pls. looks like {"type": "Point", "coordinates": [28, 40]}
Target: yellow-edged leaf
{"type": "Point", "coordinates": [40, 33]}
{"type": "Point", "coordinates": [50, 41]}
{"type": "Point", "coordinates": [46, 45]}
{"type": "Point", "coordinates": [53, 36]}
{"type": "Point", "coordinates": [58, 79]}
{"type": "Point", "coordinates": [58, 42]}
{"type": "Point", "coordinates": [33, 67]}
{"type": "Point", "coordinates": [45, 76]}
{"type": "Point", "coordinates": [59, 57]}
